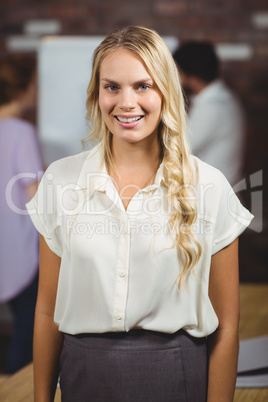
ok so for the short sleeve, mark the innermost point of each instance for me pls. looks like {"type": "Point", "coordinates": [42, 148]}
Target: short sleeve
{"type": "Point", "coordinates": [230, 217]}
{"type": "Point", "coordinates": [45, 214]}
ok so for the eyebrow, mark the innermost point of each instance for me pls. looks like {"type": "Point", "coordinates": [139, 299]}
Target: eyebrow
{"type": "Point", "coordinates": [135, 83]}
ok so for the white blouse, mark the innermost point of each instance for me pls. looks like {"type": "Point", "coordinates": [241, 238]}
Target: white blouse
{"type": "Point", "coordinates": [119, 267]}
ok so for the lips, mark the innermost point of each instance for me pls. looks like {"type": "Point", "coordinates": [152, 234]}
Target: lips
{"type": "Point", "coordinates": [125, 119]}
{"type": "Point", "coordinates": [128, 122]}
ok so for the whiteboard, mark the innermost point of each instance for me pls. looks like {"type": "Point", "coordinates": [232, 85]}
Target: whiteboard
{"type": "Point", "coordinates": [64, 70]}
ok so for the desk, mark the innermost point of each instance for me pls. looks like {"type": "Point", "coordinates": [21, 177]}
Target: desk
{"type": "Point", "coordinates": [253, 322]}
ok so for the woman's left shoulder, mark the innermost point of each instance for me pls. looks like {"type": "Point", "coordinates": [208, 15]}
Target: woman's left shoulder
{"type": "Point", "coordinates": [217, 200]}
{"type": "Point", "coordinates": [213, 190]}
{"type": "Point", "coordinates": [209, 175]}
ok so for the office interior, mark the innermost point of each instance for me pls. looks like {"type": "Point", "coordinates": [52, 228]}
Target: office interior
{"type": "Point", "coordinates": [237, 29]}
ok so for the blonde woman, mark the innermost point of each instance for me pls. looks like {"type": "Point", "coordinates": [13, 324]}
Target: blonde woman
{"type": "Point", "coordinates": [138, 259]}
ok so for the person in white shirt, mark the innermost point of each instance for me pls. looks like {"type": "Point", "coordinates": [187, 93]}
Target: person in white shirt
{"type": "Point", "coordinates": [216, 119]}
{"type": "Point", "coordinates": [138, 256]}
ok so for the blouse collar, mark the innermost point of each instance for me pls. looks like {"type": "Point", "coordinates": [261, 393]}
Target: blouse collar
{"type": "Point", "coordinates": [94, 177]}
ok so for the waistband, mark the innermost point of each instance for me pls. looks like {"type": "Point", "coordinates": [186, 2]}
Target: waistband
{"type": "Point", "coordinates": [136, 339]}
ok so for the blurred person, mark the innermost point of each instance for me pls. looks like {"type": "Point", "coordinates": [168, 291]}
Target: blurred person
{"type": "Point", "coordinates": [138, 295]}
{"type": "Point", "coordinates": [20, 163]}
{"type": "Point", "coordinates": [216, 119]}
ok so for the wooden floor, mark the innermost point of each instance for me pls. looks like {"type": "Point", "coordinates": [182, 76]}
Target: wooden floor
{"type": "Point", "coordinates": [253, 322]}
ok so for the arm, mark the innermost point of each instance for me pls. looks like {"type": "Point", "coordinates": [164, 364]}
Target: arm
{"type": "Point", "coordinates": [223, 344]}
{"type": "Point", "coordinates": [47, 338]}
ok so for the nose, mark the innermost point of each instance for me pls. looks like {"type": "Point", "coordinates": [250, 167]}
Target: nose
{"type": "Point", "coordinates": [127, 99]}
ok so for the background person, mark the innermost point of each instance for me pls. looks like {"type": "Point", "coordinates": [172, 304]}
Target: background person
{"type": "Point", "coordinates": [20, 163]}
{"type": "Point", "coordinates": [113, 315]}
{"type": "Point", "coordinates": [216, 120]}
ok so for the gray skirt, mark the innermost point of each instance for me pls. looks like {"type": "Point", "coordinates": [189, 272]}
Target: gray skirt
{"type": "Point", "coordinates": [137, 366]}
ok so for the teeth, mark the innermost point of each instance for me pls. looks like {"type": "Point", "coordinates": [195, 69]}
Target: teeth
{"type": "Point", "coordinates": [129, 120]}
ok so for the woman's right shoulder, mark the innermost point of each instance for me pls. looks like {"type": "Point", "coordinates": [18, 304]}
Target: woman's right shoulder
{"type": "Point", "coordinates": [66, 170]}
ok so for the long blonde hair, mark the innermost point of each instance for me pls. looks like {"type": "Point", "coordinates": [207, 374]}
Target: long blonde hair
{"type": "Point", "coordinates": [179, 173]}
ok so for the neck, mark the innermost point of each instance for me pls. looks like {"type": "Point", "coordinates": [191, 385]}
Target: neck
{"type": "Point", "coordinates": [136, 156]}
{"type": "Point", "coordinates": [9, 110]}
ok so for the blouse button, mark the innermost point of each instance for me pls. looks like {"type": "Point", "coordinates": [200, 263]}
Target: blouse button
{"type": "Point", "coordinates": [118, 316]}
{"type": "Point", "coordinates": [122, 274]}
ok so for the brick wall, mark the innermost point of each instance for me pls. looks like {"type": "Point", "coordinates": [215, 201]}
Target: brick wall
{"type": "Point", "coordinates": [239, 22]}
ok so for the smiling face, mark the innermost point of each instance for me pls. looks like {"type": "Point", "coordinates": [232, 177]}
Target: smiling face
{"type": "Point", "coordinates": [129, 99]}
